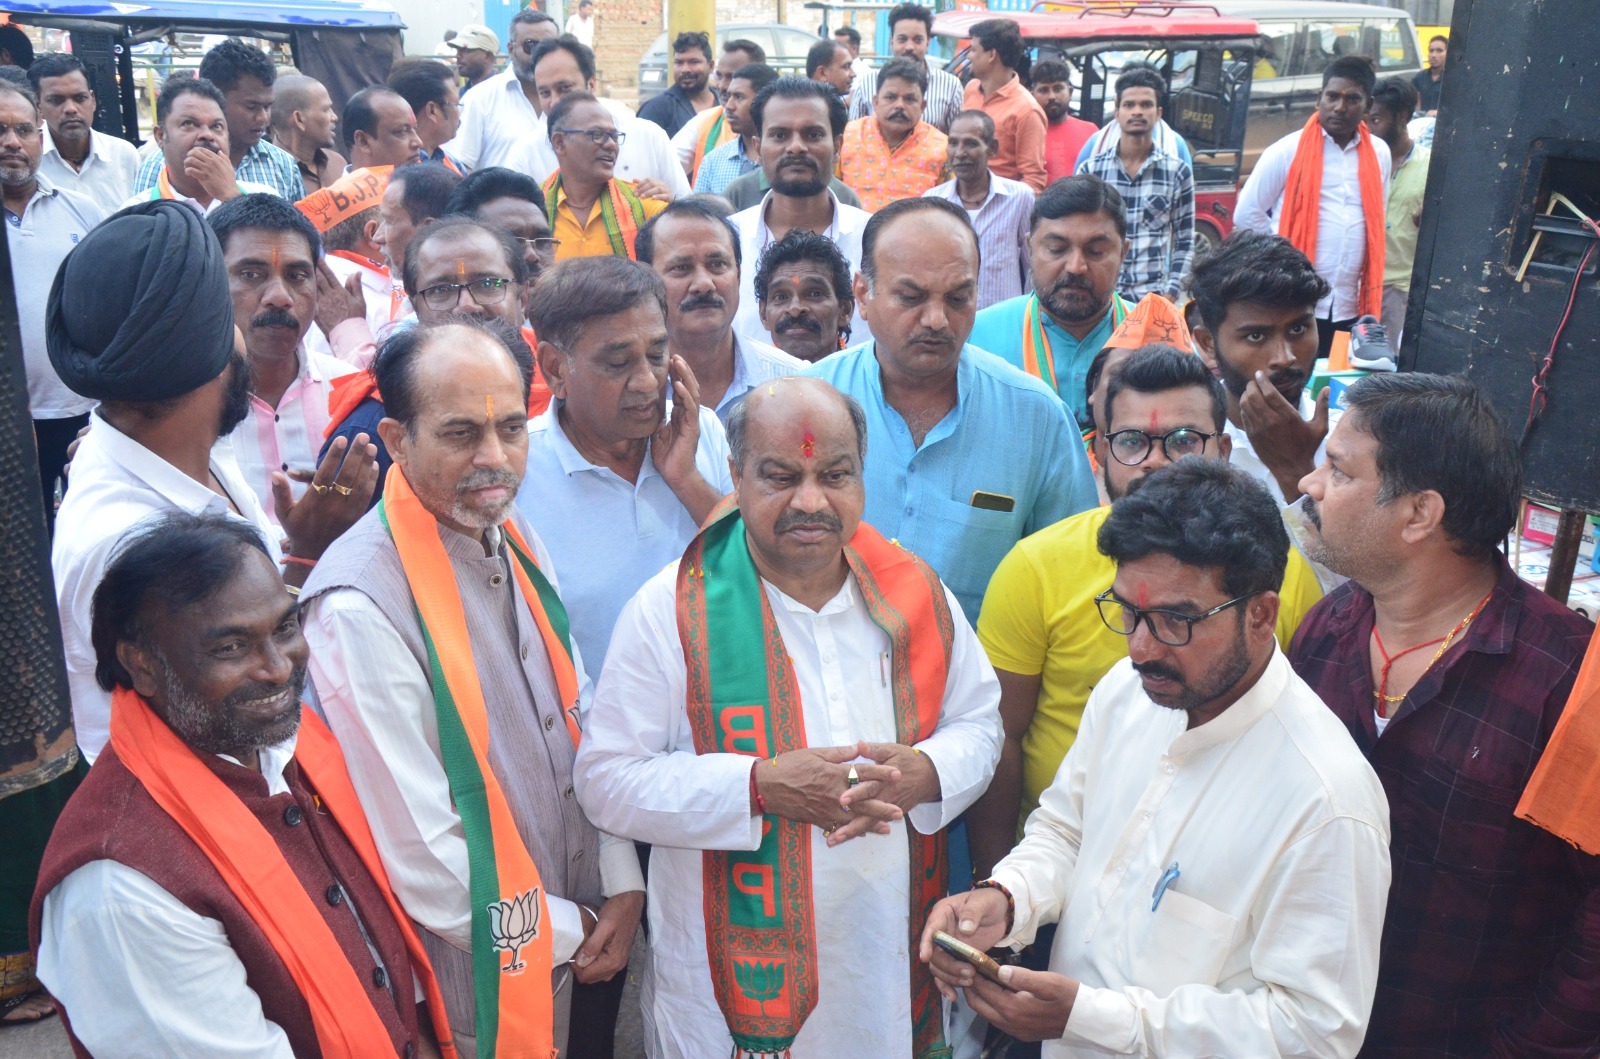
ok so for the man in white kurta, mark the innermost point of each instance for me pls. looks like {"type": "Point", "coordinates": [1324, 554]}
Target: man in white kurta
{"type": "Point", "coordinates": [1219, 887]}
{"type": "Point", "coordinates": [638, 775]}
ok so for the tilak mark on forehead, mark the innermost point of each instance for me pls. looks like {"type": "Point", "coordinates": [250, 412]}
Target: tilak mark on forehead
{"type": "Point", "coordinates": [808, 444]}
{"type": "Point", "coordinates": [488, 406]}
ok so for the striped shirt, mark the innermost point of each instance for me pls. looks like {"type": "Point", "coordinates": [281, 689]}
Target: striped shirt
{"type": "Point", "coordinates": [939, 110]}
{"type": "Point", "coordinates": [290, 435]}
{"type": "Point", "coordinates": [1002, 225]}
{"type": "Point", "coordinates": [722, 166]}
{"type": "Point", "coordinates": [265, 164]}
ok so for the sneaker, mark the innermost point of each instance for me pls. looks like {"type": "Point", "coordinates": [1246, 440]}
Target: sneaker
{"type": "Point", "coordinates": [1369, 346]}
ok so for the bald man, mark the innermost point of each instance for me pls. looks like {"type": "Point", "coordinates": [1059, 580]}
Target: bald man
{"type": "Point", "coordinates": [304, 124]}
{"type": "Point", "coordinates": [848, 752]}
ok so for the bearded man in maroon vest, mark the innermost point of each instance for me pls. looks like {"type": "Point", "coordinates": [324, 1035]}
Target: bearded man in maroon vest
{"type": "Point", "coordinates": [212, 887]}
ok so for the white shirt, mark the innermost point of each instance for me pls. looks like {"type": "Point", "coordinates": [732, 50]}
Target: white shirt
{"type": "Point", "coordinates": [494, 116]}
{"type": "Point", "coordinates": [1341, 224]}
{"type": "Point", "coordinates": [290, 435]}
{"type": "Point", "coordinates": [379, 704]}
{"type": "Point", "coordinates": [1266, 943]}
{"type": "Point", "coordinates": [845, 230]}
{"type": "Point", "coordinates": [51, 224]}
{"type": "Point", "coordinates": [582, 28]}
{"type": "Point", "coordinates": [108, 174]}
{"type": "Point", "coordinates": [645, 154]}
{"type": "Point", "coordinates": [693, 131]}
{"type": "Point", "coordinates": [386, 305]}
{"type": "Point", "coordinates": [608, 535]}
{"type": "Point", "coordinates": [1245, 458]}
{"type": "Point", "coordinates": [756, 363]}
{"type": "Point", "coordinates": [1005, 269]}
{"type": "Point", "coordinates": [638, 775]}
{"type": "Point", "coordinates": [105, 926]}
{"type": "Point", "coordinates": [117, 483]}
{"type": "Point", "coordinates": [153, 193]}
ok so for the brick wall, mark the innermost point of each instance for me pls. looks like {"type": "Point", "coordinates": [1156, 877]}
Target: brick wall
{"type": "Point", "coordinates": [626, 29]}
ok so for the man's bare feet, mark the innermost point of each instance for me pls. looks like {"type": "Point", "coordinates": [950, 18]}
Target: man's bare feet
{"type": "Point", "coordinates": [30, 1007]}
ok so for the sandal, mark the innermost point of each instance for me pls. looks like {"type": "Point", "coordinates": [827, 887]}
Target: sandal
{"type": "Point", "coordinates": [8, 1006]}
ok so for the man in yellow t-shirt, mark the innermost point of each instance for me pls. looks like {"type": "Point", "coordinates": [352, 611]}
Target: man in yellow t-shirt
{"type": "Point", "coordinates": [1039, 622]}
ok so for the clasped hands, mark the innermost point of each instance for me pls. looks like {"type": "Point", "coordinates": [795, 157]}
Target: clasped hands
{"type": "Point", "coordinates": [813, 786]}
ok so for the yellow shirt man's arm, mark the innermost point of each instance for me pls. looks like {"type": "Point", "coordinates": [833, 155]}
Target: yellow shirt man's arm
{"type": "Point", "coordinates": [1299, 594]}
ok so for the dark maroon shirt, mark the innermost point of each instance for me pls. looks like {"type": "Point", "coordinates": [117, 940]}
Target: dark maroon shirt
{"type": "Point", "coordinates": [1491, 946]}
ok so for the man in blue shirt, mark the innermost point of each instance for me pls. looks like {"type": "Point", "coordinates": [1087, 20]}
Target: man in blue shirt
{"type": "Point", "coordinates": [1076, 241]}
{"type": "Point", "coordinates": [966, 455]}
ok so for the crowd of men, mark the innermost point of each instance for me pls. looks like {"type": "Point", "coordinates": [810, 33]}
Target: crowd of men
{"type": "Point", "coordinates": [821, 529]}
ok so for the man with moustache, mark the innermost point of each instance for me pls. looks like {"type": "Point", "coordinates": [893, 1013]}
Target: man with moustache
{"type": "Point", "coordinates": [1051, 84]}
{"type": "Point", "coordinates": [75, 156]}
{"type": "Point", "coordinates": [793, 714]}
{"type": "Point", "coordinates": [829, 61]}
{"type": "Point", "coordinates": [1213, 849]}
{"type": "Point", "coordinates": [504, 107]}
{"type": "Point", "coordinates": [999, 208]}
{"type": "Point", "coordinates": [1077, 237]}
{"type": "Point", "coordinates": [477, 55]}
{"type": "Point", "coordinates": [461, 744]}
{"type": "Point", "coordinates": [192, 136]}
{"type": "Point", "coordinates": [690, 91]}
{"type": "Point", "coordinates": [803, 288]}
{"type": "Point", "coordinates": [696, 252]}
{"type": "Point", "coordinates": [893, 154]}
{"type": "Point", "coordinates": [1450, 672]}
{"type": "Point", "coordinates": [591, 210]}
{"type": "Point", "coordinates": [708, 130]}
{"type": "Point", "coordinates": [303, 123]}
{"type": "Point", "coordinates": [162, 918]}
{"type": "Point", "coordinates": [140, 319]}
{"type": "Point", "coordinates": [1257, 298]}
{"type": "Point", "coordinates": [910, 33]}
{"type": "Point", "coordinates": [944, 477]}
{"type": "Point", "coordinates": [741, 154]}
{"type": "Point", "coordinates": [626, 463]}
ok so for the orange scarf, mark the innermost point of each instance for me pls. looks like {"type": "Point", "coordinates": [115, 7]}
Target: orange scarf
{"type": "Point", "coordinates": [1565, 788]}
{"type": "Point", "coordinates": [397, 296]}
{"type": "Point", "coordinates": [255, 871]}
{"type": "Point", "coordinates": [1302, 207]}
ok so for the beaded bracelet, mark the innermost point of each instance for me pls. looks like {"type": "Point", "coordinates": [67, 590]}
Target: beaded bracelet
{"type": "Point", "coordinates": [1011, 903]}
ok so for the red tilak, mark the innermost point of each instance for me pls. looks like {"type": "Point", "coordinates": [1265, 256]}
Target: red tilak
{"type": "Point", "coordinates": [808, 445]}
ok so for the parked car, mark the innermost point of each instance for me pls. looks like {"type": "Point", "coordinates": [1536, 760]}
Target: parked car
{"type": "Point", "coordinates": [785, 46]}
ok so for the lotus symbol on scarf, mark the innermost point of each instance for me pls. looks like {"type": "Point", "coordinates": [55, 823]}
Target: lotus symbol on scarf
{"type": "Point", "coordinates": [512, 924]}
{"type": "Point", "coordinates": [758, 980]}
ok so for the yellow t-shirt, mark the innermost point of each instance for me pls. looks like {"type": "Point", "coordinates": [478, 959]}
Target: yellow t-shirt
{"type": "Point", "coordinates": [1039, 618]}
{"type": "Point", "coordinates": [589, 239]}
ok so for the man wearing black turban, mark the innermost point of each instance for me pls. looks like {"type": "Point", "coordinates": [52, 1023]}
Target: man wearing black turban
{"type": "Point", "coordinates": [140, 318]}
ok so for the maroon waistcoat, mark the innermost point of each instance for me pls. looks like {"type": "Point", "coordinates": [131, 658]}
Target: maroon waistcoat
{"type": "Point", "coordinates": [112, 817]}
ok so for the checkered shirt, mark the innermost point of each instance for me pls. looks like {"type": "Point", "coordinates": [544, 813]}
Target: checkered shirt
{"type": "Point", "coordinates": [264, 163]}
{"type": "Point", "coordinates": [722, 165]}
{"type": "Point", "coordinates": [1160, 208]}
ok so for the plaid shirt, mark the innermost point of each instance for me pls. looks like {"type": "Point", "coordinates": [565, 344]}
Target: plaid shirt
{"type": "Point", "coordinates": [1491, 946]}
{"type": "Point", "coordinates": [1160, 205]}
{"type": "Point", "coordinates": [722, 165]}
{"type": "Point", "coordinates": [264, 163]}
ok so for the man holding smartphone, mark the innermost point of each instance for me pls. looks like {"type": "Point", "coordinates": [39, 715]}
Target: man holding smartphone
{"type": "Point", "coordinates": [1214, 848]}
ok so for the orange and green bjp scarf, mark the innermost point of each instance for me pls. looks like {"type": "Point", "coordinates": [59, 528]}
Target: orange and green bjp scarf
{"type": "Point", "coordinates": [621, 209]}
{"type": "Point", "coordinates": [1037, 359]}
{"type": "Point", "coordinates": [717, 133]}
{"type": "Point", "coordinates": [255, 871]}
{"type": "Point", "coordinates": [511, 939]}
{"type": "Point", "coordinates": [743, 699]}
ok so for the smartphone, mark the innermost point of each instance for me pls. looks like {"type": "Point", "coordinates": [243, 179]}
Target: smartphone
{"type": "Point", "coordinates": [980, 961]}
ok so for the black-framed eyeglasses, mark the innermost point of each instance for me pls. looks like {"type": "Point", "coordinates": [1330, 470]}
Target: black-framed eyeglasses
{"type": "Point", "coordinates": [598, 137]}
{"type": "Point", "coordinates": [545, 247]}
{"type": "Point", "coordinates": [1168, 626]}
{"type": "Point", "coordinates": [1132, 447]}
{"type": "Point", "coordinates": [488, 291]}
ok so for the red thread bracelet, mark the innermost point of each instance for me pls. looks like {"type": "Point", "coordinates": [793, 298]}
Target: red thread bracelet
{"type": "Point", "coordinates": [298, 561]}
{"type": "Point", "coordinates": [755, 792]}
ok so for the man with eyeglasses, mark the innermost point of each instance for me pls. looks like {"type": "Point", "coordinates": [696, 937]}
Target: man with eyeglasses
{"type": "Point", "coordinates": [1214, 848]}
{"type": "Point", "coordinates": [513, 201]}
{"type": "Point", "coordinates": [503, 108]}
{"type": "Point", "coordinates": [1039, 624]}
{"type": "Point", "coordinates": [591, 210]}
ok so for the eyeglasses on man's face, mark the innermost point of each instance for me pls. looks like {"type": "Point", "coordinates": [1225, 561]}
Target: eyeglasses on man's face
{"type": "Point", "coordinates": [544, 246]}
{"type": "Point", "coordinates": [1171, 627]}
{"type": "Point", "coordinates": [1132, 447]}
{"type": "Point", "coordinates": [488, 291]}
{"type": "Point", "coordinates": [599, 137]}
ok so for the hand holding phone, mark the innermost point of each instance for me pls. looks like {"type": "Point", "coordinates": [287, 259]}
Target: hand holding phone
{"type": "Point", "coordinates": [980, 961]}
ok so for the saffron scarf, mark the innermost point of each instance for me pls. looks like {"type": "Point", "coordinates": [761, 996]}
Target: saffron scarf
{"type": "Point", "coordinates": [620, 208]}
{"type": "Point", "coordinates": [256, 872]}
{"type": "Point", "coordinates": [1561, 795]}
{"type": "Point", "coordinates": [1037, 359]}
{"type": "Point", "coordinates": [717, 134]}
{"type": "Point", "coordinates": [743, 699]}
{"type": "Point", "coordinates": [1302, 207]}
{"type": "Point", "coordinates": [397, 296]}
{"type": "Point", "coordinates": [162, 188]}
{"type": "Point", "coordinates": [515, 1008]}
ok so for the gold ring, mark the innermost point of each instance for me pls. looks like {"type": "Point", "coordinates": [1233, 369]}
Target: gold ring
{"type": "Point", "coordinates": [343, 490]}
{"type": "Point", "coordinates": [852, 777]}
{"type": "Point", "coordinates": [830, 830]}
{"type": "Point", "coordinates": [321, 489]}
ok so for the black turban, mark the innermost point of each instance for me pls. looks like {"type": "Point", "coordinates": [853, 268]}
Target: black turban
{"type": "Point", "coordinates": [140, 309]}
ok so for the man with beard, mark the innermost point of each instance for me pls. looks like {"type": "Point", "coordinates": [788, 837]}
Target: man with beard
{"type": "Point", "coordinates": [1065, 136]}
{"type": "Point", "coordinates": [477, 55]}
{"type": "Point", "coordinates": [998, 55]}
{"type": "Point", "coordinates": [627, 462]}
{"type": "Point", "coordinates": [591, 210]}
{"type": "Point", "coordinates": [1039, 623]}
{"type": "Point", "coordinates": [167, 917]}
{"type": "Point", "coordinates": [1324, 189]}
{"type": "Point", "coordinates": [910, 33]}
{"type": "Point", "coordinates": [244, 74]}
{"type": "Point", "coordinates": [893, 154]}
{"type": "Point", "coordinates": [270, 252]}
{"type": "Point", "coordinates": [1214, 848]}
{"type": "Point", "coordinates": [504, 108]}
{"type": "Point", "coordinates": [1451, 673]}
{"type": "Point", "coordinates": [800, 124]}
{"type": "Point", "coordinates": [303, 123]}
{"type": "Point", "coordinates": [461, 744]}
{"type": "Point", "coordinates": [140, 319]}
{"type": "Point", "coordinates": [191, 135]}
{"type": "Point", "coordinates": [741, 154]}
{"type": "Point", "coordinates": [1157, 189]}
{"type": "Point", "coordinates": [690, 91]}
{"type": "Point", "coordinates": [803, 288]}
{"type": "Point", "coordinates": [794, 714]}
{"type": "Point", "coordinates": [999, 208]}
{"type": "Point", "coordinates": [77, 157]}
{"type": "Point", "coordinates": [1257, 297]}
{"type": "Point", "coordinates": [968, 455]}
{"type": "Point", "coordinates": [695, 251]}
{"type": "Point", "coordinates": [1077, 237]}
{"type": "Point", "coordinates": [708, 130]}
